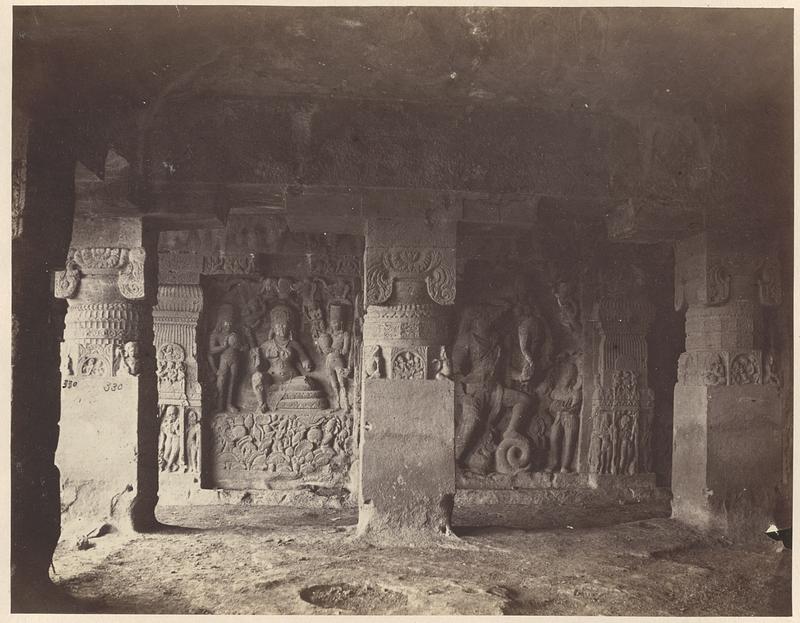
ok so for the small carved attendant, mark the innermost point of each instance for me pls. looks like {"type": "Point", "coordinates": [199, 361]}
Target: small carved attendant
{"type": "Point", "coordinates": [225, 343]}
{"type": "Point", "coordinates": [193, 442]}
{"type": "Point", "coordinates": [605, 442]}
{"type": "Point", "coordinates": [336, 347]}
{"type": "Point", "coordinates": [442, 366]}
{"type": "Point", "coordinates": [375, 369]}
{"type": "Point", "coordinates": [169, 442]}
{"type": "Point", "coordinates": [565, 408]}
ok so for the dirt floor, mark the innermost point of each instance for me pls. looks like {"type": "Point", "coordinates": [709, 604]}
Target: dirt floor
{"type": "Point", "coordinates": [240, 559]}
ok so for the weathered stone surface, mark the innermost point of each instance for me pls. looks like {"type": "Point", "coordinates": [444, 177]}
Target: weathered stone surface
{"type": "Point", "coordinates": [726, 471]}
{"type": "Point", "coordinates": [407, 468]}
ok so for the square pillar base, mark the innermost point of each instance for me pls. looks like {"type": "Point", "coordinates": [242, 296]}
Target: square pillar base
{"type": "Point", "coordinates": [407, 459]}
{"type": "Point", "coordinates": [100, 455]}
{"type": "Point", "coordinates": [726, 467]}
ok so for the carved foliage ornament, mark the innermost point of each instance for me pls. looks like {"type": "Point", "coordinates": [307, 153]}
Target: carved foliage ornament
{"type": "Point", "coordinates": [429, 264]}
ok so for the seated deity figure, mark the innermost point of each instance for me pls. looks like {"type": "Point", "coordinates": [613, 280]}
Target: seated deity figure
{"type": "Point", "coordinates": [276, 373]}
{"type": "Point", "coordinates": [476, 356]}
{"type": "Point", "coordinates": [225, 344]}
{"type": "Point", "coordinates": [565, 408]}
{"type": "Point", "coordinates": [335, 346]}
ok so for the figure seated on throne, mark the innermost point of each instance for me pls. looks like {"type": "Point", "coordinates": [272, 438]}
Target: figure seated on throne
{"type": "Point", "coordinates": [277, 381]}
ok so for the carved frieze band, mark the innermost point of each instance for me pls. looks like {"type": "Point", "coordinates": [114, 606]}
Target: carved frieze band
{"type": "Point", "coordinates": [435, 266]}
{"type": "Point", "coordinates": [420, 323]}
{"type": "Point", "coordinates": [622, 423]}
{"type": "Point", "coordinates": [719, 367]}
{"type": "Point", "coordinates": [102, 321]}
{"type": "Point", "coordinates": [128, 264]}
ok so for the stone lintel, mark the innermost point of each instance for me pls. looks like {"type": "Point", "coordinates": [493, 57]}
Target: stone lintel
{"type": "Point", "coordinates": [110, 195]}
{"type": "Point", "coordinates": [647, 221]}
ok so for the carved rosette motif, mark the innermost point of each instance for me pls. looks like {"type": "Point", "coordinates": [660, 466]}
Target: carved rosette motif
{"type": "Point", "coordinates": [409, 363]}
{"type": "Point", "coordinates": [436, 267]}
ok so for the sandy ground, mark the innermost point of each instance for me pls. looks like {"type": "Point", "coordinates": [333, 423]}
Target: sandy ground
{"type": "Point", "coordinates": [268, 560]}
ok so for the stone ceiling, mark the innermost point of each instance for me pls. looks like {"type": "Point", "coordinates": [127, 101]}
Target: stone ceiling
{"type": "Point", "coordinates": [545, 57]}
{"type": "Point", "coordinates": [585, 107]}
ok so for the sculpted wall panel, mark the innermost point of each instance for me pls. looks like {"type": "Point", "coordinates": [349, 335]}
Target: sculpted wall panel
{"type": "Point", "coordinates": [280, 354]}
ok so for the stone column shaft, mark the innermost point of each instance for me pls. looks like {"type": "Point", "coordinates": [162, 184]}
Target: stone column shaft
{"type": "Point", "coordinates": [106, 450]}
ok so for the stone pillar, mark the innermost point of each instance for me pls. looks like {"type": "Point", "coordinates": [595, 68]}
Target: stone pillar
{"type": "Point", "coordinates": [407, 426]}
{"type": "Point", "coordinates": [42, 205]}
{"type": "Point", "coordinates": [106, 451]}
{"type": "Point", "coordinates": [179, 394]}
{"type": "Point", "coordinates": [727, 429]}
{"type": "Point", "coordinates": [622, 401]}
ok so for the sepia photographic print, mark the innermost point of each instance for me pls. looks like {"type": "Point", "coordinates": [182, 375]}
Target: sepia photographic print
{"type": "Point", "coordinates": [401, 310]}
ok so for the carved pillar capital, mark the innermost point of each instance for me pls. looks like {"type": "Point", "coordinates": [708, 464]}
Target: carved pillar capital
{"type": "Point", "coordinates": [124, 266]}
{"type": "Point", "coordinates": [713, 269]}
{"type": "Point", "coordinates": [403, 254]}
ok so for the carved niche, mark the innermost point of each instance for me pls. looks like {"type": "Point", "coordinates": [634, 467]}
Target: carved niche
{"type": "Point", "coordinates": [281, 356]}
{"type": "Point", "coordinates": [518, 402]}
{"type": "Point", "coordinates": [179, 439]}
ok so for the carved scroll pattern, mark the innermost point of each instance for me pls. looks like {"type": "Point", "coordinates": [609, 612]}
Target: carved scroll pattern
{"type": "Point", "coordinates": [431, 265]}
